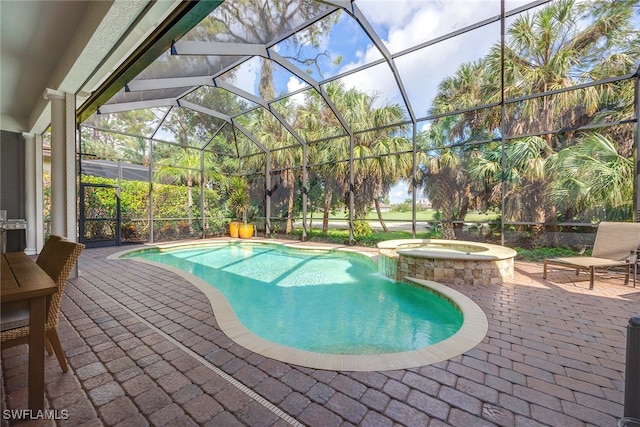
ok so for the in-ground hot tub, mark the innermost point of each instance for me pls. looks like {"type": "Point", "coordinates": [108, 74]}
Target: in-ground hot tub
{"type": "Point", "coordinates": [446, 261]}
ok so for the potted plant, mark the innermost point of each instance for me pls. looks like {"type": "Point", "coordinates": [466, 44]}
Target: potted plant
{"type": "Point", "coordinates": [245, 231]}
{"type": "Point", "coordinates": [234, 229]}
{"type": "Point", "coordinates": [239, 202]}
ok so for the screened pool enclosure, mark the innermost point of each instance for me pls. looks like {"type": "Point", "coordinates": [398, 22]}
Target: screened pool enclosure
{"type": "Point", "coordinates": [491, 120]}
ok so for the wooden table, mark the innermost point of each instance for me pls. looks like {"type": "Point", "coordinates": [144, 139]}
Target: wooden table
{"type": "Point", "coordinates": [23, 280]}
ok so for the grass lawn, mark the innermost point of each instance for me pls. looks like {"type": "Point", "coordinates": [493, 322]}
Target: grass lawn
{"type": "Point", "coordinates": [341, 234]}
{"type": "Point", "coordinates": [425, 215]}
{"type": "Point", "coordinates": [342, 237]}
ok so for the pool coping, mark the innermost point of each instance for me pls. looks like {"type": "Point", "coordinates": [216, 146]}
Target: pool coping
{"type": "Point", "coordinates": [471, 333]}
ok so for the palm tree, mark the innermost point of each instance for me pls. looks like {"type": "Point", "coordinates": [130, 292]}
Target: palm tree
{"type": "Point", "coordinates": [238, 198]}
{"type": "Point", "coordinates": [285, 154]}
{"type": "Point", "coordinates": [316, 121]}
{"type": "Point", "coordinates": [443, 174]}
{"type": "Point", "coordinates": [381, 155]}
{"type": "Point", "coordinates": [522, 184]}
{"type": "Point", "coordinates": [465, 89]}
{"type": "Point", "coordinates": [556, 47]}
{"type": "Point", "coordinates": [181, 163]}
{"type": "Point", "coordinates": [448, 144]}
{"type": "Point", "coordinates": [390, 168]}
{"type": "Point", "coordinates": [592, 179]}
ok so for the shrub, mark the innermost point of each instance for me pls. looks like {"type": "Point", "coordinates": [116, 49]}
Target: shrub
{"type": "Point", "coordinates": [361, 228]}
{"type": "Point", "coordinates": [402, 207]}
{"type": "Point", "coordinates": [184, 229]}
{"type": "Point", "coordinates": [129, 232]}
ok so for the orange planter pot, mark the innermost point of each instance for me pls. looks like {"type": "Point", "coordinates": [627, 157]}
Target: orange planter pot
{"type": "Point", "coordinates": [234, 227]}
{"type": "Point", "coordinates": [246, 231]}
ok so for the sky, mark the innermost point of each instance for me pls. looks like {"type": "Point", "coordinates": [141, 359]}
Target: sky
{"type": "Point", "coordinates": [400, 24]}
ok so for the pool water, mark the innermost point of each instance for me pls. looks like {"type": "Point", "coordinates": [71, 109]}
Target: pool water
{"type": "Point", "coordinates": [320, 301]}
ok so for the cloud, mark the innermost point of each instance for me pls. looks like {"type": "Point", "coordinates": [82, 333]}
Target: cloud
{"type": "Point", "coordinates": [399, 192]}
{"type": "Point", "coordinates": [403, 24]}
{"type": "Point", "coordinates": [294, 84]}
{"type": "Point", "coordinates": [378, 11]}
{"type": "Point", "coordinates": [245, 76]}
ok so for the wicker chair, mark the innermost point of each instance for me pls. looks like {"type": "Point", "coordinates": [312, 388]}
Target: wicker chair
{"type": "Point", "coordinates": [14, 324]}
{"type": "Point", "coordinates": [47, 250]}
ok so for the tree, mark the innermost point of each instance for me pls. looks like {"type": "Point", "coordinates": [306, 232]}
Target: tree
{"type": "Point", "coordinates": [522, 183]}
{"type": "Point", "coordinates": [98, 141]}
{"type": "Point", "coordinates": [561, 45]}
{"type": "Point", "coordinates": [445, 172]}
{"type": "Point", "coordinates": [285, 154]}
{"type": "Point", "coordinates": [389, 167]}
{"type": "Point", "coordinates": [182, 166]}
{"type": "Point", "coordinates": [557, 46]}
{"type": "Point", "coordinates": [592, 180]}
{"type": "Point", "coordinates": [317, 122]}
{"type": "Point", "coordinates": [238, 199]}
{"type": "Point", "coordinates": [381, 153]}
{"type": "Point", "coordinates": [180, 162]}
{"type": "Point", "coordinates": [262, 22]}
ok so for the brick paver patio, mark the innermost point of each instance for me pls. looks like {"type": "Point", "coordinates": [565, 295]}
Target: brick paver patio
{"type": "Point", "coordinates": [144, 349]}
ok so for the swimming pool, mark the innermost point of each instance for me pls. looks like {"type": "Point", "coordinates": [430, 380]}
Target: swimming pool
{"type": "Point", "coordinates": [313, 304]}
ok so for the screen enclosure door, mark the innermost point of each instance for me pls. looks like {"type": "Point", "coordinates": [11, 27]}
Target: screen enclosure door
{"type": "Point", "coordinates": [100, 215]}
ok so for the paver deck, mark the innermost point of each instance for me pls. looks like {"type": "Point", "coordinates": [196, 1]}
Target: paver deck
{"type": "Point", "coordinates": [144, 348]}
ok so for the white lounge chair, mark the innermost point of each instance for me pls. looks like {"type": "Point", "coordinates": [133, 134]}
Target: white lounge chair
{"type": "Point", "coordinates": [616, 245]}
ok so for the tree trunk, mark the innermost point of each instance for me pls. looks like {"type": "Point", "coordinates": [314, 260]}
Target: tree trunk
{"type": "Point", "coordinates": [464, 208]}
{"type": "Point", "coordinates": [377, 204]}
{"type": "Point", "coordinates": [328, 195]}
{"type": "Point", "coordinates": [448, 232]}
{"type": "Point", "coordinates": [289, 225]}
{"type": "Point", "coordinates": [265, 86]}
{"type": "Point", "coordinates": [190, 201]}
{"type": "Point", "coordinates": [536, 194]}
{"type": "Point", "coordinates": [553, 238]}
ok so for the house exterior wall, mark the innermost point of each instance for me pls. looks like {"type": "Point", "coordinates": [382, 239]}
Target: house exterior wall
{"type": "Point", "coordinates": [12, 185]}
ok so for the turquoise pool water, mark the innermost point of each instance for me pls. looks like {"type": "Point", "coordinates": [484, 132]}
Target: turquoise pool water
{"type": "Point", "coordinates": [320, 301]}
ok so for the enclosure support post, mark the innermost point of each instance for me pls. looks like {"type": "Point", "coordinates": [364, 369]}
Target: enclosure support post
{"type": "Point", "coordinates": [305, 190]}
{"type": "Point", "coordinates": [151, 191]}
{"type": "Point", "coordinates": [636, 176]}
{"type": "Point", "coordinates": [267, 202]}
{"type": "Point", "coordinates": [351, 189]}
{"type": "Point", "coordinates": [58, 163]}
{"type": "Point", "coordinates": [414, 188]}
{"type": "Point", "coordinates": [203, 218]}
{"type": "Point", "coordinates": [632, 373]}
{"type": "Point", "coordinates": [502, 126]}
